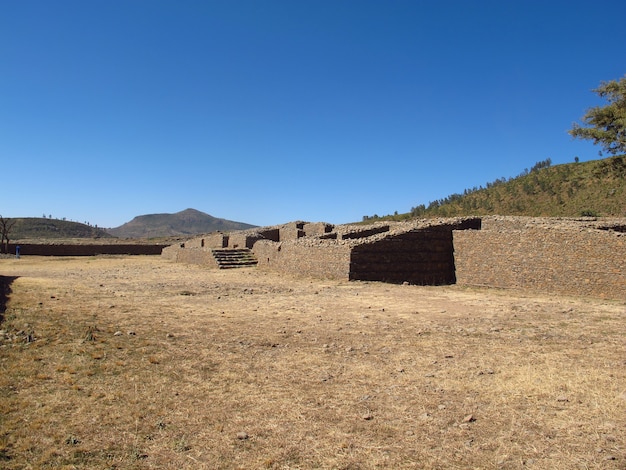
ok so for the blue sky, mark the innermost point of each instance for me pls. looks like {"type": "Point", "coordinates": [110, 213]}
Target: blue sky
{"type": "Point", "coordinates": [265, 111]}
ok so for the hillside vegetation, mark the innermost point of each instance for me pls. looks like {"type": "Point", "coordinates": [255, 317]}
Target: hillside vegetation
{"type": "Point", "coordinates": [39, 227]}
{"type": "Point", "coordinates": [593, 188]}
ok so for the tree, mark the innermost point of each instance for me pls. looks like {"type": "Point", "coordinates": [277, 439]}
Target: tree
{"type": "Point", "coordinates": [606, 124]}
{"type": "Point", "coordinates": [6, 225]}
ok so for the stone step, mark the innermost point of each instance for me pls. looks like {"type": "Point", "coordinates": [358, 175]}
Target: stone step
{"type": "Point", "coordinates": [234, 258]}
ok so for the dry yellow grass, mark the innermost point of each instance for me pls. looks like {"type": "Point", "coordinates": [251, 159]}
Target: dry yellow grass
{"type": "Point", "coordinates": [136, 362]}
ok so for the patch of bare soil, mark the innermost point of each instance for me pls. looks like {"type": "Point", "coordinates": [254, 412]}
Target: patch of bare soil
{"type": "Point", "coordinates": [137, 362]}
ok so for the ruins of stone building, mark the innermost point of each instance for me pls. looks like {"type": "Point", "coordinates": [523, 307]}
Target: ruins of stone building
{"type": "Point", "coordinates": [553, 255]}
{"type": "Point", "coordinates": [563, 256]}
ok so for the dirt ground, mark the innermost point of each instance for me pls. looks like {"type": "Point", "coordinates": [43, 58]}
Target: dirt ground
{"type": "Point", "coordinates": [138, 362]}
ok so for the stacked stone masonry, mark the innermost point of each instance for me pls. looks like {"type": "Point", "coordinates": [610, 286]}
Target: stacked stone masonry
{"type": "Point", "coordinates": [562, 256]}
{"type": "Point", "coordinates": [546, 255]}
{"type": "Point", "coordinates": [34, 249]}
{"type": "Point", "coordinates": [324, 260]}
{"type": "Point", "coordinates": [421, 257]}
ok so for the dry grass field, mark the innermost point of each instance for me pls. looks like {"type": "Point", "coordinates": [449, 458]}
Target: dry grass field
{"type": "Point", "coordinates": [137, 362]}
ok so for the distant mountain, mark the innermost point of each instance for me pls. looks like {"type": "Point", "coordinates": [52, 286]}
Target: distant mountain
{"type": "Point", "coordinates": [187, 222]}
{"type": "Point", "coordinates": [40, 227]}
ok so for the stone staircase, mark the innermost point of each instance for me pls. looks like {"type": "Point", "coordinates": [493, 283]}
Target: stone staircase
{"type": "Point", "coordinates": [228, 258]}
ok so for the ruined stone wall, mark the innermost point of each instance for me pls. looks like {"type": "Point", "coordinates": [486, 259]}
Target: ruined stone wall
{"type": "Point", "coordinates": [561, 256]}
{"type": "Point", "coordinates": [317, 228]}
{"type": "Point", "coordinates": [242, 240]}
{"type": "Point", "coordinates": [292, 231]}
{"type": "Point", "coordinates": [555, 260]}
{"type": "Point", "coordinates": [363, 232]}
{"type": "Point", "coordinates": [216, 240]}
{"type": "Point", "coordinates": [191, 255]}
{"type": "Point", "coordinates": [196, 256]}
{"type": "Point", "coordinates": [248, 238]}
{"type": "Point", "coordinates": [196, 250]}
{"type": "Point", "coordinates": [208, 242]}
{"type": "Point", "coordinates": [195, 243]}
{"type": "Point", "coordinates": [171, 252]}
{"type": "Point", "coordinates": [271, 234]}
{"type": "Point", "coordinates": [421, 257]}
{"type": "Point", "coordinates": [85, 249]}
{"type": "Point", "coordinates": [328, 260]}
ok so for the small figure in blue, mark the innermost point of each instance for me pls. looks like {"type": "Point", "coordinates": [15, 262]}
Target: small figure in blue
{"type": "Point", "coordinates": [17, 251]}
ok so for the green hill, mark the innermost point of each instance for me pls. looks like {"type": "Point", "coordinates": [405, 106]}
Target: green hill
{"type": "Point", "coordinates": [38, 227]}
{"type": "Point", "coordinates": [593, 188]}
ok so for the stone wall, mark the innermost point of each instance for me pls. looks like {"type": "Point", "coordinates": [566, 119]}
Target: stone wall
{"type": "Point", "coordinates": [285, 232]}
{"type": "Point", "coordinates": [86, 249]}
{"type": "Point", "coordinates": [214, 240]}
{"type": "Point", "coordinates": [418, 252]}
{"type": "Point", "coordinates": [549, 258]}
{"type": "Point", "coordinates": [171, 252]}
{"type": "Point", "coordinates": [240, 240]}
{"type": "Point", "coordinates": [194, 243]}
{"type": "Point", "coordinates": [195, 256]}
{"type": "Point", "coordinates": [321, 259]}
{"type": "Point", "coordinates": [562, 256]}
{"type": "Point", "coordinates": [270, 234]}
{"type": "Point", "coordinates": [316, 228]}
{"type": "Point", "coordinates": [363, 232]}
{"type": "Point", "coordinates": [292, 231]}
{"type": "Point", "coordinates": [420, 257]}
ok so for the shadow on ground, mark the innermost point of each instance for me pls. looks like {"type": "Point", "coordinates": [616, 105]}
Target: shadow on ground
{"type": "Point", "coordinates": [5, 291]}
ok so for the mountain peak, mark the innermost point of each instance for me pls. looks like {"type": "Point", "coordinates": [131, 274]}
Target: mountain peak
{"type": "Point", "coordinates": [187, 222]}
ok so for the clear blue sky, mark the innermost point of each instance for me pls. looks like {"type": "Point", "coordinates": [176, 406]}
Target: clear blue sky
{"type": "Point", "coordinates": [264, 111]}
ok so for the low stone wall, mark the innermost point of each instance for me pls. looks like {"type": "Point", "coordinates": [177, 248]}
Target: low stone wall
{"type": "Point", "coordinates": [317, 228]}
{"type": "Point", "coordinates": [363, 232]}
{"type": "Point", "coordinates": [196, 256]}
{"type": "Point", "coordinates": [210, 241]}
{"type": "Point", "coordinates": [586, 261]}
{"type": "Point", "coordinates": [86, 250]}
{"type": "Point", "coordinates": [326, 259]}
{"type": "Point", "coordinates": [171, 252]}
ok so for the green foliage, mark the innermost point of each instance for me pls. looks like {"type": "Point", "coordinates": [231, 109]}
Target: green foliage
{"type": "Point", "coordinates": [35, 227]}
{"type": "Point", "coordinates": [542, 164]}
{"type": "Point", "coordinates": [595, 187]}
{"type": "Point", "coordinates": [611, 167]}
{"type": "Point", "coordinates": [588, 213]}
{"type": "Point", "coordinates": [606, 125]}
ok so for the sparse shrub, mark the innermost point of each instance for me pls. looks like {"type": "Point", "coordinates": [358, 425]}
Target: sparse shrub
{"type": "Point", "coordinates": [72, 441]}
{"type": "Point", "coordinates": [588, 213]}
{"type": "Point", "coordinates": [181, 445]}
{"type": "Point", "coordinates": [418, 210]}
{"type": "Point", "coordinates": [90, 334]}
{"type": "Point", "coordinates": [527, 187]}
{"type": "Point", "coordinates": [542, 164]}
